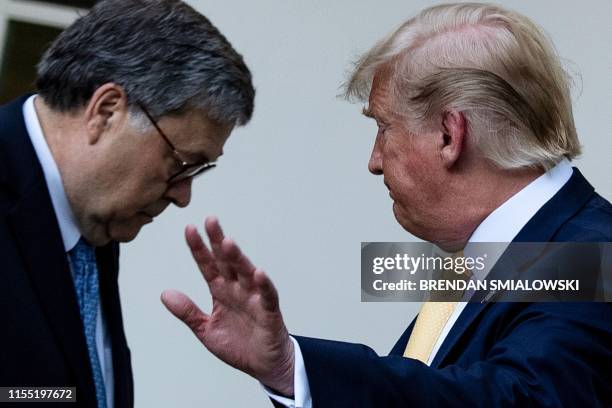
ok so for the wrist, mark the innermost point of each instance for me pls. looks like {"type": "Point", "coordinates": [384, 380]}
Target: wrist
{"type": "Point", "coordinates": [282, 379]}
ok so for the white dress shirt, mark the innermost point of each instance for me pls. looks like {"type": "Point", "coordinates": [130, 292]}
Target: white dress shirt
{"type": "Point", "coordinates": [69, 231]}
{"type": "Point", "coordinates": [502, 225]}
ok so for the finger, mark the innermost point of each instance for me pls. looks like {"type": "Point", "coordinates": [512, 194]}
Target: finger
{"type": "Point", "coordinates": [269, 296]}
{"type": "Point", "coordinates": [215, 234]}
{"type": "Point", "coordinates": [203, 257]}
{"type": "Point", "coordinates": [183, 308]}
{"type": "Point", "coordinates": [238, 262]}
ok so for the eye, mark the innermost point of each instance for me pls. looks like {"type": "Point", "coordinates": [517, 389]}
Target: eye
{"type": "Point", "coordinates": [174, 165]}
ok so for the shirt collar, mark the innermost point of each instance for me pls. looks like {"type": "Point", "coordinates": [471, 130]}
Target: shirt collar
{"type": "Point", "coordinates": [506, 221]}
{"type": "Point", "coordinates": [65, 217]}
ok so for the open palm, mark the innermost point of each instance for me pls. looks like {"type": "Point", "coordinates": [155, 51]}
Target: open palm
{"type": "Point", "coordinates": [245, 328]}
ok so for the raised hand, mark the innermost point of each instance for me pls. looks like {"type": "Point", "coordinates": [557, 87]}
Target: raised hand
{"type": "Point", "coordinates": [245, 328]}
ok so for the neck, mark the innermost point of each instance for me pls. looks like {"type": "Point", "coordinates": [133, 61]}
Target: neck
{"type": "Point", "coordinates": [474, 197]}
{"type": "Point", "coordinates": [62, 132]}
{"type": "Point", "coordinates": [58, 129]}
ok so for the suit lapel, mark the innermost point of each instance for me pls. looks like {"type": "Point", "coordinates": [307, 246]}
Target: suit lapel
{"type": "Point", "coordinates": [467, 317]}
{"type": "Point", "coordinates": [32, 222]}
{"type": "Point", "coordinates": [400, 345]}
{"type": "Point", "coordinates": [108, 259]}
{"type": "Point", "coordinates": [36, 232]}
{"type": "Point", "coordinates": [540, 228]}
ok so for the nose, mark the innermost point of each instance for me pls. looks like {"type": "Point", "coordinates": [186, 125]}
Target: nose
{"type": "Point", "coordinates": [180, 193]}
{"type": "Point", "coordinates": [375, 165]}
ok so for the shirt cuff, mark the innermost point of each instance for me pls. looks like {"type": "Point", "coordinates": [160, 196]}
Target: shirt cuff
{"type": "Point", "coordinates": [301, 388]}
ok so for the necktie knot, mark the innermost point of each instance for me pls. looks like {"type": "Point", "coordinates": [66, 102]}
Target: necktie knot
{"type": "Point", "coordinates": [83, 250]}
{"type": "Point", "coordinates": [453, 269]}
{"type": "Point", "coordinates": [435, 313]}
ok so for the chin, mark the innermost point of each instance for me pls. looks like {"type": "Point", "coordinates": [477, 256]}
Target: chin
{"type": "Point", "coordinates": [95, 234]}
{"type": "Point", "coordinates": [124, 234]}
{"type": "Point", "coordinates": [408, 224]}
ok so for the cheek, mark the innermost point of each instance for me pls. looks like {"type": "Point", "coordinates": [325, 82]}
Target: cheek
{"type": "Point", "coordinates": [401, 169]}
{"type": "Point", "coordinates": [150, 181]}
{"type": "Point", "coordinates": [134, 196]}
{"type": "Point", "coordinates": [407, 174]}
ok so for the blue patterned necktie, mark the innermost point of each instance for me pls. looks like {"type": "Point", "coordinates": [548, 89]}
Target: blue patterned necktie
{"type": "Point", "coordinates": [85, 270]}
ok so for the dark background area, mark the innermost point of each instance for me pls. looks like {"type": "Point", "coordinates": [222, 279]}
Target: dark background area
{"type": "Point", "coordinates": [71, 3]}
{"type": "Point", "coordinates": [24, 43]}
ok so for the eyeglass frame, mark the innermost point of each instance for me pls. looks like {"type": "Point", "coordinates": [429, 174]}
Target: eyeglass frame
{"type": "Point", "coordinates": [185, 172]}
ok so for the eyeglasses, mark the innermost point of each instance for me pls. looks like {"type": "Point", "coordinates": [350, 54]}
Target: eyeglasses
{"type": "Point", "coordinates": [187, 169]}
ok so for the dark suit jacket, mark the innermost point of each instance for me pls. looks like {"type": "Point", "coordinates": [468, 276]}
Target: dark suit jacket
{"type": "Point", "coordinates": [496, 354]}
{"type": "Point", "coordinates": [41, 339]}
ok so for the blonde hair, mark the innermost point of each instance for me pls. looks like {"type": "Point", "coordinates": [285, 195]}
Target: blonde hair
{"type": "Point", "coordinates": [494, 65]}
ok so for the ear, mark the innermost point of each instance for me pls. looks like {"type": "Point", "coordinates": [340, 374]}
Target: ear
{"type": "Point", "coordinates": [454, 131]}
{"type": "Point", "coordinates": [106, 107]}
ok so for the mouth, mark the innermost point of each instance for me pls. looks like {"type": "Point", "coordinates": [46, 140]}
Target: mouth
{"type": "Point", "coordinates": [148, 218]}
{"type": "Point", "coordinates": [153, 211]}
{"type": "Point", "coordinates": [390, 192]}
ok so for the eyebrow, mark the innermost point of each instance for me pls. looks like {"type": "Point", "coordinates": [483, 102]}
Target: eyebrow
{"type": "Point", "coordinates": [379, 117]}
{"type": "Point", "coordinates": [203, 158]}
{"type": "Point", "coordinates": [195, 157]}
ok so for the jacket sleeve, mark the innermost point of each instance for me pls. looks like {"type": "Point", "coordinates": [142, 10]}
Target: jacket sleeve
{"type": "Point", "coordinates": [551, 354]}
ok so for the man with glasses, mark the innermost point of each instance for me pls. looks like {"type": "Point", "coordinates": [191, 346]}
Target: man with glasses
{"type": "Point", "coordinates": [134, 100]}
{"type": "Point", "coordinates": [185, 170]}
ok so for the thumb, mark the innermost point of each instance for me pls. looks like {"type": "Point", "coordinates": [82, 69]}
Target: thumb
{"type": "Point", "coordinates": [183, 308]}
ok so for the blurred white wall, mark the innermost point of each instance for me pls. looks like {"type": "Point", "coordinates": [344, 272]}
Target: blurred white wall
{"type": "Point", "coordinates": [294, 190]}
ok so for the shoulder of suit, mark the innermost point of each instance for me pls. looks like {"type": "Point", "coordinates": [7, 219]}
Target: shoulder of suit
{"type": "Point", "coordinates": [593, 223]}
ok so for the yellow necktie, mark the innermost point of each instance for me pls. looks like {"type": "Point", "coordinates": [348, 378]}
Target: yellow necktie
{"type": "Point", "coordinates": [432, 318]}
{"type": "Point", "coordinates": [427, 328]}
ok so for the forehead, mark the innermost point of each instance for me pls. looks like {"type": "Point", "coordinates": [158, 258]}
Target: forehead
{"type": "Point", "coordinates": [379, 100]}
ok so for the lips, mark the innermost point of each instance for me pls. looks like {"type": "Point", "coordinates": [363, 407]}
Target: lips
{"type": "Point", "coordinates": [154, 211]}
{"type": "Point", "coordinates": [390, 192]}
{"type": "Point", "coordinates": [148, 218]}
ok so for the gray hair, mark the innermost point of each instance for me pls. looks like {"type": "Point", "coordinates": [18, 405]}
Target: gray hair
{"type": "Point", "coordinates": [165, 55]}
{"type": "Point", "coordinates": [494, 65]}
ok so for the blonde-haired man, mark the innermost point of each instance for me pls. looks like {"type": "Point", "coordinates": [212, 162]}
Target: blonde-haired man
{"type": "Point", "coordinates": [474, 141]}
